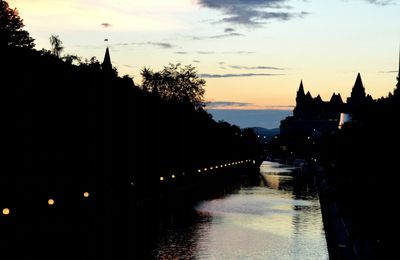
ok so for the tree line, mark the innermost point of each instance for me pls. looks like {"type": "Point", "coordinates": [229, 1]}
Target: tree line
{"type": "Point", "coordinates": [68, 117]}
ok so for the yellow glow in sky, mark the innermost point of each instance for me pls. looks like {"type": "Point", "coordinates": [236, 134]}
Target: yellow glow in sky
{"type": "Point", "coordinates": [257, 63]}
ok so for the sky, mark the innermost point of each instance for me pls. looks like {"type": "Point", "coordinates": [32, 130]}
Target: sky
{"type": "Point", "coordinates": [252, 53]}
{"type": "Point", "coordinates": [266, 118]}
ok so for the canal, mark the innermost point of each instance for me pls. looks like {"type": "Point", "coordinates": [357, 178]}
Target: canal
{"type": "Point", "coordinates": [277, 216]}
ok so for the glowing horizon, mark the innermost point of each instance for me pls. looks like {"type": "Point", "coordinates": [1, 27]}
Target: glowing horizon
{"type": "Point", "coordinates": [254, 59]}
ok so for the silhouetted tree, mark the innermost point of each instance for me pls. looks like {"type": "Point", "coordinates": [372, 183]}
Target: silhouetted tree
{"type": "Point", "coordinates": [11, 33]}
{"type": "Point", "coordinates": [56, 45]}
{"type": "Point", "coordinates": [177, 83]}
{"type": "Point", "coordinates": [71, 59]}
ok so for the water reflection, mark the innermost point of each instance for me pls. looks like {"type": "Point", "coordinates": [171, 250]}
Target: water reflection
{"type": "Point", "coordinates": [279, 218]}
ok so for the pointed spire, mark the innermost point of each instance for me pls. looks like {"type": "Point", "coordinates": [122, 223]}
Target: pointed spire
{"type": "Point", "coordinates": [358, 81]}
{"type": "Point", "coordinates": [358, 90]}
{"type": "Point", "coordinates": [318, 99]}
{"type": "Point", "coordinates": [300, 98]}
{"type": "Point", "coordinates": [358, 96]}
{"type": "Point", "coordinates": [106, 65]}
{"type": "Point", "coordinates": [301, 88]}
{"type": "Point", "coordinates": [301, 101]}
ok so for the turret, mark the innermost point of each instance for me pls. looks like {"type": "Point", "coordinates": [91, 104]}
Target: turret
{"type": "Point", "coordinates": [358, 91]}
{"type": "Point", "coordinates": [309, 98]}
{"type": "Point", "coordinates": [358, 96]}
{"type": "Point", "coordinates": [300, 94]}
{"type": "Point", "coordinates": [318, 100]}
{"type": "Point", "coordinates": [336, 99]}
{"type": "Point", "coordinates": [300, 101]}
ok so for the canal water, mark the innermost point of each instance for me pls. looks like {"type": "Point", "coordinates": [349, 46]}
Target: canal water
{"type": "Point", "coordinates": [275, 217]}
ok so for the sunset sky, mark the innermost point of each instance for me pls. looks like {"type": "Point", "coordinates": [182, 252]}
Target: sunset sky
{"type": "Point", "coordinates": [252, 53]}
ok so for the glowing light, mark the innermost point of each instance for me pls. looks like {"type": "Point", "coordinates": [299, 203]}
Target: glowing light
{"type": "Point", "coordinates": [211, 168]}
{"type": "Point", "coordinates": [216, 167]}
{"type": "Point", "coordinates": [161, 178]}
{"type": "Point", "coordinates": [205, 169]}
{"type": "Point", "coordinates": [51, 202]}
{"type": "Point", "coordinates": [6, 211]}
{"type": "Point", "coordinates": [173, 176]}
{"type": "Point", "coordinates": [198, 170]}
{"type": "Point", "coordinates": [86, 194]}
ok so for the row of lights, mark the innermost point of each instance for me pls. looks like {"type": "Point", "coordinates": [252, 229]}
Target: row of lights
{"type": "Point", "coordinates": [50, 202]}
{"type": "Point", "coordinates": [162, 178]}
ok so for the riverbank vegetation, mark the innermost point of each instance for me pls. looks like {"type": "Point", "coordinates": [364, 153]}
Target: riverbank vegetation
{"type": "Point", "coordinates": [75, 134]}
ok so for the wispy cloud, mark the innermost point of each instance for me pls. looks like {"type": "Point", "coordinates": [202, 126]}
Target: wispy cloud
{"type": "Point", "coordinates": [252, 12]}
{"type": "Point", "coordinates": [214, 52]}
{"type": "Point", "coordinates": [243, 106]}
{"type": "Point", "coordinates": [376, 2]}
{"type": "Point", "coordinates": [218, 36]}
{"type": "Point", "coordinates": [389, 71]}
{"type": "Point", "coordinates": [217, 76]}
{"type": "Point", "coordinates": [255, 67]}
{"type": "Point", "coordinates": [380, 2]}
{"type": "Point", "coordinates": [105, 25]}
{"type": "Point", "coordinates": [164, 45]}
{"type": "Point", "coordinates": [205, 52]}
{"type": "Point", "coordinates": [195, 61]}
{"type": "Point", "coordinates": [238, 52]}
{"type": "Point", "coordinates": [218, 104]}
{"type": "Point", "coordinates": [229, 30]}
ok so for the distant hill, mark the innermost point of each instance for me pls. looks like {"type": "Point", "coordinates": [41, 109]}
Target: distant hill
{"type": "Point", "coordinates": [268, 133]}
{"type": "Point", "coordinates": [267, 118]}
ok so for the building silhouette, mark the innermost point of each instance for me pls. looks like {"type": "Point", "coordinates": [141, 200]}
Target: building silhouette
{"type": "Point", "coordinates": [315, 116]}
{"type": "Point", "coordinates": [106, 65]}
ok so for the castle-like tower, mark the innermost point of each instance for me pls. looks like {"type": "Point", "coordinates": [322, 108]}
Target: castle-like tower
{"type": "Point", "coordinates": [358, 97]}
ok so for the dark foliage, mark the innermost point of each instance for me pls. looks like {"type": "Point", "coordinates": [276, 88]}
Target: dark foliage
{"type": "Point", "coordinates": [72, 126]}
{"type": "Point", "coordinates": [175, 83]}
{"type": "Point", "coordinates": [11, 32]}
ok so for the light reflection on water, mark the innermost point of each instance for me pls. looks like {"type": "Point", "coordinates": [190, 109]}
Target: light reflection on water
{"type": "Point", "coordinates": [278, 219]}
